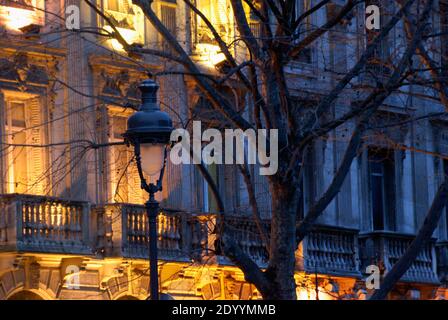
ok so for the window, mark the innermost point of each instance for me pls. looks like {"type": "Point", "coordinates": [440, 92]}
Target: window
{"type": "Point", "coordinates": [15, 14]}
{"type": "Point", "coordinates": [305, 26]}
{"type": "Point", "coordinates": [381, 168]}
{"type": "Point", "coordinates": [128, 19]}
{"type": "Point", "coordinates": [25, 165]}
{"type": "Point", "coordinates": [445, 176]}
{"type": "Point", "coordinates": [338, 41]}
{"type": "Point", "coordinates": [123, 6]}
{"type": "Point", "coordinates": [255, 24]}
{"type": "Point", "coordinates": [219, 13]}
{"type": "Point", "coordinates": [168, 18]}
{"type": "Point", "coordinates": [444, 30]}
{"type": "Point", "coordinates": [124, 177]}
{"type": "Point", "coordinates": [380, 64]}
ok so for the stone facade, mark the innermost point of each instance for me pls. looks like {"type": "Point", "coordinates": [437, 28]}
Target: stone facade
{"type": "Point", "coordinates": [71, 221]}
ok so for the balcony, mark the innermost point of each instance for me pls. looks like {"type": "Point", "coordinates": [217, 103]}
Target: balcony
{"type": "Point", "coordinates": [44, 224]}
{"type": "Point", "coordinates": [245, 233]}
{"type": "Point", "coordinates": [384, 249]}
{"type": "Point", "coordinates": [52, 225]}
{"type": "Point", "coordinates": [326, 250]}
{"type": "Point", "coordinates": [182, 237]}
{"type": "Point", "coordinates": [331, 250]}
{"type": "Point", "coordinates": [442, 261]}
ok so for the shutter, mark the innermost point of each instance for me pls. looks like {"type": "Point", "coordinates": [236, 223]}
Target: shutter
{"type": "Point", "coordinates": [3, 155]}
{"type": "Point", "coordinates": [119, 177]}
{"type": "Point", "coordinates": [36, 179]}
{"type": "Point", "coordinates": [119, 156]}
{"type": "Point", "coordinates": [168, 18]}
{"type": "Point", "coordinates": [135, 191]}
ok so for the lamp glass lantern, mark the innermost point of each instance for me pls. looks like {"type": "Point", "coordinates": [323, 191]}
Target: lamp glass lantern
{"type": "Point", "coordinates": [149, 131]}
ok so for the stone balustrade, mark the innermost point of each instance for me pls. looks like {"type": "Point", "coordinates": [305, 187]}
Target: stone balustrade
{"type": "Point", "coordinates": [326, 250]}
{"type": "Point", "coordinates": [331, 250]}
{"type": "Point", "coordinates": [44, 224]}
{"type": "Point", "coordinates": [246, 233]}
{"type": "Point", "coordinates": [181, 236]}
{"type": "Point", "coordinates": [384, 249]}
{"type": "Point", "coordinates": [51, 225]}
{"type": "Point", "coordinates": [442, 261]}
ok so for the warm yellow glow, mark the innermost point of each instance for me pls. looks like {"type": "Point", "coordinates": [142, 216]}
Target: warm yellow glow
{"type": "Point", "coordinates": [17, 18]}
{"type": "Point", "coordinates": [130, 36]}
{"type": "Point", "coordinates": [219, 12]}
{"type": "Point", "coordinates": [211, 54]}
{"type": "Point", "coordinates": [310, 294]}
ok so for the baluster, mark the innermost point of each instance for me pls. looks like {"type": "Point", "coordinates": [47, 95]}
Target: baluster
{"type": "Point", "coordinates": [47, 221]}
{"type": "Point", "coordinates": [135, 226]}
{"type": "Point", "coordinates": [63, 224]}
{"type": "Point", "coordinates": [41, 222]}
{"type": "Point", "coordinates": [129, 227]}
{"type": "Point", "coordinates": [173, 234]}
{"type": "Point", "coordinates": [2, 222]}
{"type": "Point", "coordinates": [70, 225]}
{"type": "Point", "coordinates": [25, 220]}
{"type": "Point", "coordinates": [79, 228]}
{"type": "Point", "coordinates": [32, 223]}
{"type": "Point", "coordinates": [166, 234]}
{"type": "Point", "coordinates": [162, 232]}
{"type": "Point", "coordinates": [72, 232]}
{"type": "Point", "coordinates": [74, 223]}
{"type": "Point", "coordinates": [177, 233]}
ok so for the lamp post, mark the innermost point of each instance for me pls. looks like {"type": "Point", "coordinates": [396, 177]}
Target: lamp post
{"type": "Point", "coordinates": [149, 131]}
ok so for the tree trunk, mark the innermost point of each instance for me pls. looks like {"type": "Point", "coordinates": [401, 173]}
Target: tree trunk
{"type": "Point", "coordinates": [280, 271]}
{"type": "Point", "coordinates": [422, 238]}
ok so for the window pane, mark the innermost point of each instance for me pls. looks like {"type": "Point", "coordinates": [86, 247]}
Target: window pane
{"type": "Point", "coordinates": [445, 176]}
{"type": "Point", "coordinates": [119, 126]}
{"type": "Point", "coordinates": [382, 188]}
{"type": "Point", "coordinates": [18, 114]}
{"type": "Point", "coordinates": [376, 178]}
{"type": "Point", "coordinates": [113, 5]}
{"type": "Point", "coordinates": [20, 163]}
{"type": "Point", "coordinates": [119, 175]}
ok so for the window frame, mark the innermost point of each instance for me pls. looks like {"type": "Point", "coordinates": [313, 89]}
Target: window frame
{"type": "Point", "coordinates": [388, 207]}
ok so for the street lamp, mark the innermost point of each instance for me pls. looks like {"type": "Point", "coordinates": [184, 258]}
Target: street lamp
{"type": "Point", "coordinates": [149, 131]}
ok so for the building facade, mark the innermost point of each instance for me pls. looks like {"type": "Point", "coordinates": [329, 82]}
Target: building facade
{"type": "Point", "coordinates": [72, 224]}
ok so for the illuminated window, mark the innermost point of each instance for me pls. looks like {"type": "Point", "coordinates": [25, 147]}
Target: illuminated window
{"type": "Point", "coordinates": [220, 14]}
{"type": "Point", "coordinates": [255, 26]}
{"type": "Point", "coordinates": [15, 14]}
{"type": "Point", "coordinates": [124, 178]}
{"type": "Point", "coordinates": [168, 18]}
{"type": "Point", "coordinates": [128, 19]}
{"type": "Point", "coordinates": [25, 164]}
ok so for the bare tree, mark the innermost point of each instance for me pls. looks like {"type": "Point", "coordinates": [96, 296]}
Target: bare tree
{"type": "Point", "coordinates": [261, 72]}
